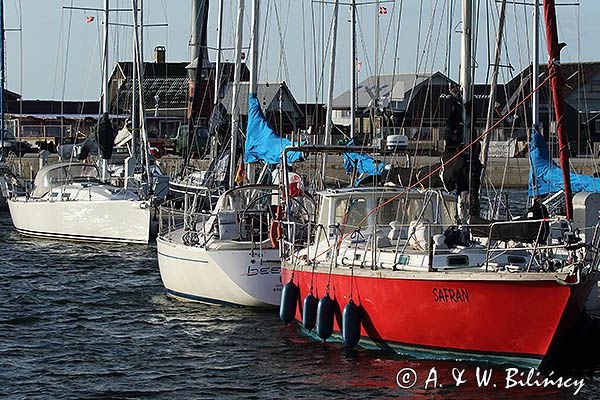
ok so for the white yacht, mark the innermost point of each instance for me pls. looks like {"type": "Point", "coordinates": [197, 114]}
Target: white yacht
{"type": "Point", "coordinates": [68, 201]}
{"type": "Point", "coordinates": [226, 257]}
{"type": "Point", "coordinates": [230, 254]}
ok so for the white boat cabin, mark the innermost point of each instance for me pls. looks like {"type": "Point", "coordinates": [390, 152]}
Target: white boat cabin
{"type": "Point", "coordinates": [392, 228]}
{"type": "Point", "coordinates": [68, 181]}
{"type": "Point", "coordinates": [52, 176]}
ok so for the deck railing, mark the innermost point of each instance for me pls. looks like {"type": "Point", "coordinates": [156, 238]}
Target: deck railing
{"type": "Point", "coordinates": [563, 249]}
{"type": "Point", "coordinates": [197, 228]}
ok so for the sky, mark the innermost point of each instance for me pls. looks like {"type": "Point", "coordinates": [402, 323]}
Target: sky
{"type": "Point", "coordinates": [56, 53]}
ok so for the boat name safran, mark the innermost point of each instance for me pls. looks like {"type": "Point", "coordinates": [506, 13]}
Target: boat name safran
{"type": "Point", "coordinates": [449, 295]}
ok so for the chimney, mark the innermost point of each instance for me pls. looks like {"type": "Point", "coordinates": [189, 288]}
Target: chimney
{"type": "Point", "coordinates": [160, 54]}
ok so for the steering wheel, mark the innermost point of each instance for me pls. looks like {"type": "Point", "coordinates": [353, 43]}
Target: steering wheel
{"type": "Point", "coordinates": [251, 218]}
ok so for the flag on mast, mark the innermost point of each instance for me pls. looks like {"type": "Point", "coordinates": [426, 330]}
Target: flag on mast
{"type": "Point", "coordinates": [89, 19]}
{"type": "Point", "coordinates": [382, 10]}
{"type": "Point", "coordinates": [240, 174]}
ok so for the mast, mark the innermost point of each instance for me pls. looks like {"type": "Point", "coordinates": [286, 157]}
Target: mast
{"type": "Point", "coordinates": [105, 110]}
{"type": "Point", "coordinates": [535, 73]}
{"type": "Point", "coordinates": [235, 117]}
{"type": "Point", "coordinates": [556, 82]}
{"type": "Point", "coordinates": [219, 53]}
{"type": "Point", "coordinates": [466, 79]}
{"type": "Point", "coordinates": [131, 161]}
{"type": "Point", "coordinates": [141, 70]}
{"type": "Point", "coordinates": [198, 52]}
{"type": "Point", "coordinates": [253, 89]}
{"type": "Point", "coordinates": [217, 88]}
{"type": "Point", "coordinates": [144, 147]}
{"type": "Point", "coordinates": [139, 20]}
{"type": "Point", "coordinates": [492, 101]}
{"type": "Point", "coordinates": [331, 83]}
{"type": "Point", "coordinates": [141, 35]}
{"type": "Point", "coordinates": [198, 29]}
{"type": "Point", "coordinates": [2, 75]}
{"type": "Point", "coordinates": [105, 60]}
{"type": "Point", "coordinates": [375, 105]}
{"type": "Point", "coordinates": [254, 47]}
{"type": "Point", "coordinates": [353, 74]}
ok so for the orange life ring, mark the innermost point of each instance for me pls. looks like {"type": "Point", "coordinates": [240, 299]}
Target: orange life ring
{"type": "Point", "coordinates": [275, 230]}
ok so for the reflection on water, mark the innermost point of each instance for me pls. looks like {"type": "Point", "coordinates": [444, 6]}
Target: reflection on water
{"type": "Point", "coordinates": [92, 321]}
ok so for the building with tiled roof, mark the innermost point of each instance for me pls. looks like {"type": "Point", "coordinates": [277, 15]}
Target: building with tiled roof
{"type": "Point", "coordinates": [582, 103]}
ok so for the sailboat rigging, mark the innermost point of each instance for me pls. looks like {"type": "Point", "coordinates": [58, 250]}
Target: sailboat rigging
{"type": "Point", "coordinates": [199, 54]}
{"type": "Point", "coordinates": [493, 89]}
{"type": "Point", "coordinates": [211, 182]}
{"type": "Point", "coordinates": [235, 112]}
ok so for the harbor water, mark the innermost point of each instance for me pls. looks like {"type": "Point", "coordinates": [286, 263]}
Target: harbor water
{"type": "Point", "coordinates": [93, 321]}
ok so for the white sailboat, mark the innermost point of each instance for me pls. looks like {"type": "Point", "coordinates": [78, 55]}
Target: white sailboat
{"type": "Point", "coordinates": [225, 257]}
{"type": "Point", "coordinates": [69, 201]}
{"type": "Point", "coordinates": [72, 200]}
{"type": "Point", "coordinates": [228, 256]}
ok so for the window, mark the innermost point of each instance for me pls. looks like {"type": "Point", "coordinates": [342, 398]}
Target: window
{"type": "Point", "coordinates": [323, 220]}
{"type": "Point", "coordinates": [349, 212]}
{"type": "Point", "coordinates": [53, 131]}
{"type": "Point", "coordinates": [457, 261]}
{"type": "Point", "coordinates": [392, 211]}
{"type": "Point", "coordinates": [249, 199]}
{"type": "Point", "coordinates": [397, 105]}
{"type": "Point", "coordinates": [406, 210]}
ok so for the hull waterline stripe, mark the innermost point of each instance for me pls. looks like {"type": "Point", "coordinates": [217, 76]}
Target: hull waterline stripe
{"type": "Point", "coordinates": [206, 262]}
{"type": "Point", "coordinates": [182, 259]}
{"type": "Point", "coordinates": [382, 344]}
{"type": "Point", "coordinates": [79, 237]}
{"type": "Point", "coordinates": [202, 299]}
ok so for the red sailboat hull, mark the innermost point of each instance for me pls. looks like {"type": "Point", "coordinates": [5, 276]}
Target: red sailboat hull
{"type": "Point", "coordinates": [516, 319]}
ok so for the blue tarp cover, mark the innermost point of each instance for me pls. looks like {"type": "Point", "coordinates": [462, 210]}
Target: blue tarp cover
{"type": "Point", "coordinates": [364, 163]}
{"type": "Point", "coordinates": [545, 177]}
{"type": "Point", "coordinates": [262, 143]}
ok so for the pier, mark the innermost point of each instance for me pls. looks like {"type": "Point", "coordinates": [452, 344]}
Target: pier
{"type": "Point", "coordinates": [502, 172]}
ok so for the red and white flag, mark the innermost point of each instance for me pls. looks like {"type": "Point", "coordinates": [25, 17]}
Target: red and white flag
{"type": "Point", "coordinates": [382, 10]}
{"type": "Point", "coordinates": [358, 66]}
{"type": "Point", "coordinates": [89, 19]}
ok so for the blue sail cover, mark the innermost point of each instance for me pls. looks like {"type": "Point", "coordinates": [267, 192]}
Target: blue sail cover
{"type": "Point", "coordinates": [545, 177]}
{"type": "Point", "coordinates": [364, 163]}
{"type": "Point", "coordinates": [262, 143]}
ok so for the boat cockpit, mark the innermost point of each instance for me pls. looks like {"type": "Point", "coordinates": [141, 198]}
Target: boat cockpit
{"type": "Point", "coordinates": [59, 174]}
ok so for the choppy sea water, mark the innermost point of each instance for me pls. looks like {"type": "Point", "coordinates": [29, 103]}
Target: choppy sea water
{"type": "Point", "coordinates": [92, 321]}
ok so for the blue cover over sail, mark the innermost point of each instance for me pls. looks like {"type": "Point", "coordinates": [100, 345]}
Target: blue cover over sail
{"type": "Point", "coordinates": [262, 143]}
{"type": "Point", "coordinates": [545, 176]}
{"type": "Point", "coordinates": [364, 163]}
